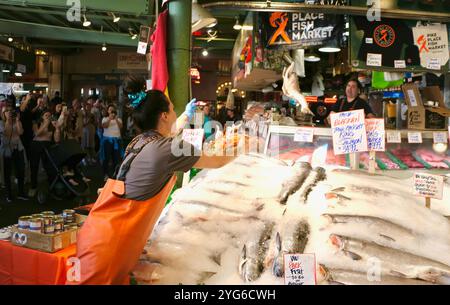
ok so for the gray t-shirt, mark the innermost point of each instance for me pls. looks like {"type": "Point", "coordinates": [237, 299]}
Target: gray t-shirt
{"type": "Point", "coordinates": [155, 165]}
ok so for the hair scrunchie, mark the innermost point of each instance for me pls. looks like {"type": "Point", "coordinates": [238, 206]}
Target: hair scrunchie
{"type": "Point", "coordinates": [136, 99]}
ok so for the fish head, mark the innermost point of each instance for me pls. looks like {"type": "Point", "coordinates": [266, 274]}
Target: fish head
{"type": "Point", "coordinates": [324, 272]}
{"type": "Point", "coordinates": [327, 220]}
{"type": "Point", "coordinates": [337, 241]}
{"type": "Point", "coordinates": [278, 266]}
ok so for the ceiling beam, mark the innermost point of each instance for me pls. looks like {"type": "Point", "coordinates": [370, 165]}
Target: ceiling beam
{"type": "Point", "coordinates": [34, 30]}
{"type": "Point", "coordinates": [133, 7]}
{"type": "Point", "coordinates": [63, 13]}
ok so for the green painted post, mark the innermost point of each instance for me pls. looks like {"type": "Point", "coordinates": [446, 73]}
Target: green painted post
{"type": "Point", "coordinates": [179, 52]}
{"type": "Point", "coordinates": [179, 57]}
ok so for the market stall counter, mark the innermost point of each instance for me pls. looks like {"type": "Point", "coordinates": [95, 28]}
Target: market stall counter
{"type": "Point", "coordinates": [23, 266]}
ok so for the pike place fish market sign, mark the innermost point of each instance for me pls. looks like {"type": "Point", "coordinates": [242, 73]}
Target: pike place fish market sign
{"type": "Point", "coordinates": [293, 30]}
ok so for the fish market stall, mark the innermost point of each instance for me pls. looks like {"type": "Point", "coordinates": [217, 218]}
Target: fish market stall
{"type": "Point", "coordinates": [233, 225]}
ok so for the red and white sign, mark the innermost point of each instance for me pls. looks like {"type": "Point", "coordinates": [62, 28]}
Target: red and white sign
{"type": "Point", "coordinates": [375, 135]}
{"type": "Point", "coordinates": [428, 185]}
{"type": "Point", "coordinates": [349, 132]}
{"type": "Point", "coordinates": [300, 269]}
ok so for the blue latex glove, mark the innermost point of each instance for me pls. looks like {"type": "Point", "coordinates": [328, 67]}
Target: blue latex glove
{"type": "Point", "coordinates": [190, 108]}
{"type": "Point", "coordinates": [293, 102]}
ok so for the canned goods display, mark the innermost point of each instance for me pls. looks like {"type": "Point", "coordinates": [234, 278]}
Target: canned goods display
{"type": "Point", "coordinates": [68, 213]}
{"type": "Point", "coordinates": [36, 224]}
{"type": "Point", "coordinates": [59, 225]}
{"type": "Point", "coordinates": [24, 222]}
{"type": "Point", "coordinates": [48, 213]}
{"type": "Point", "coordinates": [50, 229]}
{"type": "Point", "coordinates": [36, 216]}
{"type": "Point", "coordinates": [48, 220]}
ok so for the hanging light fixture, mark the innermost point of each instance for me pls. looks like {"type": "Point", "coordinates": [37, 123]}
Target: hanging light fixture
{"type": "Point", "coordinates": [205, 53]}
{"type": "Point", "coordinates": [330, 47]}
{"type": "Point", "coordinates": [311, 57]}
{"type": "Point", "coordinates": [237, 26]}
{"type": "Point", "coordinates": [201, 17]}
{"type": "Point", "coordinates": [10, 39]}
{"type": "Point", "coordinates": [115, 18]}
{"type": "Point", "coordinates": [104, 47]}
{"type": "Point", "coordinates": [132, 33]}
{"type": "Point", "coordinates": [86, 22]}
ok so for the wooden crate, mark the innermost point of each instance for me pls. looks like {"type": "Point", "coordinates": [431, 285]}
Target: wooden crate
{"type": "Point", "coordinates": [43, 242]}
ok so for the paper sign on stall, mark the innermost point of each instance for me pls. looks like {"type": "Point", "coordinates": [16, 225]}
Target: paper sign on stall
{"type": "Point", "coordinates": [194, 137]}
{"type": "Point", "coordinates": [304, 135]}
{"type": "Point", "coordinates": [414, 137]}
{"type": "Point", "coordinates": [299, 269]}
{"type": "Point", "coordinates": [428, 185]}
{"type": "Point", "coordinates": [349, 132]}
{"type": "Point", "coordinates": [375, 135]}
{"type": "Point", "coordinates": [440, 137]}
{"type": "Point", "coordinates": [374, 60]}
{"type": "Point", "coordinates": [394, 137]}
{"type": "Point", "coordinates": [144, 37]}
{"type": "Point", "coordinates": [434, 64]}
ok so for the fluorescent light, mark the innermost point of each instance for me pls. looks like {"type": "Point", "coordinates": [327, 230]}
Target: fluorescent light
{"type": "Point", "coordinates": [346, 33]}
{"type": "Point", "coordinates": [5, 71]}
{"type": "Point", "coordinates": [247, 27]}
{"type": "Point", "coordinates": [329, 49]}
{"type": "Point", "coordinates": [312, 58]}
{"type": "Point", "coordinates": [237, 26]}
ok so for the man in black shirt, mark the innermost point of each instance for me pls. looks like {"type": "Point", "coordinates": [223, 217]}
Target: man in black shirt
{"type": "Point", "coordinates": [352, 100]}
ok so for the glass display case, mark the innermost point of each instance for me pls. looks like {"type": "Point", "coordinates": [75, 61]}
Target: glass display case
{"type": "Point", "coordinates": [281, 143]}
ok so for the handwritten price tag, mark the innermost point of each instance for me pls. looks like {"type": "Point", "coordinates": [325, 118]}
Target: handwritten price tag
{"type": "Point", "coordinates": [374, 60]}
{"type": "Point", "coordinates": [349, 132]}
{"type": "Point", "coordinates": [428, 185]}
{"type": "Point", "coordinates": [414, 137]}
{"type": "Point", "coordinates": [299, 269]}
{"type": "Point", "coordinates": [394, 137]}
{"type": "Point", "coordinates": [194, 137]}
{"type": "Point", "coordinates": [440, 137]}
{"type": "Point", "coordinates": [304, 135]}
{"type": "Point", "coordinates": [375, 135]}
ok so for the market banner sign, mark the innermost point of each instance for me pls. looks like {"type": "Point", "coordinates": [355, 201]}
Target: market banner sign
{"type": "Point", "coordinates": [432, 41]}
{"type": "Point", "coordinates": [131, 61]}
{"type": "Point", "coordinates": [398, 44]}
{"type": "Point", "coordinates": [6, 53]}
{"type": "Point", "coordinates": [294, 30]}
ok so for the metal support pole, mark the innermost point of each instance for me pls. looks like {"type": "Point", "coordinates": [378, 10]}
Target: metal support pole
{"type": "Point", "coordinates": [179, 52]}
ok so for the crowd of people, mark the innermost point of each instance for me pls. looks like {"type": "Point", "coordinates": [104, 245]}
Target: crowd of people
{"type": "Point", "coordinates": [37, 123]}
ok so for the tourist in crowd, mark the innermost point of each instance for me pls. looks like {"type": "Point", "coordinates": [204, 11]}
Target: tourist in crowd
{"type": "Point", "coordinates": [45, 133]}
{"type": "Point", "coordinates": [74, 127]}
{"type": "Point", "coordinates": [55, 100]}
{"type": "Point", "coordinates": [111, 147]}
{"type": "Point", "coordinates": [89, 129]}
{"type": "Point", "coordinates": [39, 108]}
{"type": "Point", "coordinates": [12, 151]}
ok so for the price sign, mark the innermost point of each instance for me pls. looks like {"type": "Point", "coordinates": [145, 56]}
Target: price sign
{"type": "Point", "coordinates": [349, 132]}
{"type": "Point", "coordinates": [428, 185]}
{"type": "Point", "coordinates": [434, 64]}
{"type": "Point", "coordinates": [299, 269]}
{"type": "Point", "coordinates": [375, 135]}
{"type": "Point", "coordinates": [440, 137]}
{"type": "Point", "coordinates": [144, 37]}
{"type": "Point", "coordinates": [414, 137]}
{"type": "Point", "coordinates": [394, 137]}
{"type": "Point", "coordinates": [374, 60]}
{"type": "Point", "coordinates": [304, 135]}
{"type": "Point", "coordinates": [194, 137]}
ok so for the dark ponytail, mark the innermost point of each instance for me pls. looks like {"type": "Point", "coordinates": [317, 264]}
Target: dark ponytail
{"type": "Point", "coordinates": [146, 113]}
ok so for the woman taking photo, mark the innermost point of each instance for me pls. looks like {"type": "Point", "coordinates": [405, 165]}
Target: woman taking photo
{"type": "Point", "coordinates": [119, 224]}
{"type": "Point", "coordinates": [111, 142]}
{"type": "Point", "coordinates": [45, 133]}
{"type": "Point", "coordinates": [12, 151]}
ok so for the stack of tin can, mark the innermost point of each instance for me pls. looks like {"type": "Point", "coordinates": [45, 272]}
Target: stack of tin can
{"type": "Point", "coordinates": [48, 223]}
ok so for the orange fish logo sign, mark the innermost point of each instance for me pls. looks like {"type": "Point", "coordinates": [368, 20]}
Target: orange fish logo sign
{"type": "Point", "coordinates": [422, 41]}
{"type": "Point", "coordinates": [384, 35]}
{"type": "Point", "coordinates": [280, 21]}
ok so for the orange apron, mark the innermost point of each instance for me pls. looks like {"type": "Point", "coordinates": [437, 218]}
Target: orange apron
{"type": "Point", "coordinates": [114, 234]}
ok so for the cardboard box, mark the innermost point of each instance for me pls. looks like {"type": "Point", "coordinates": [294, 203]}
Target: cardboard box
{"type": "Point", "coordinates": [421, 116]}
{"type": "Point", "coordinates": [43, 242]}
